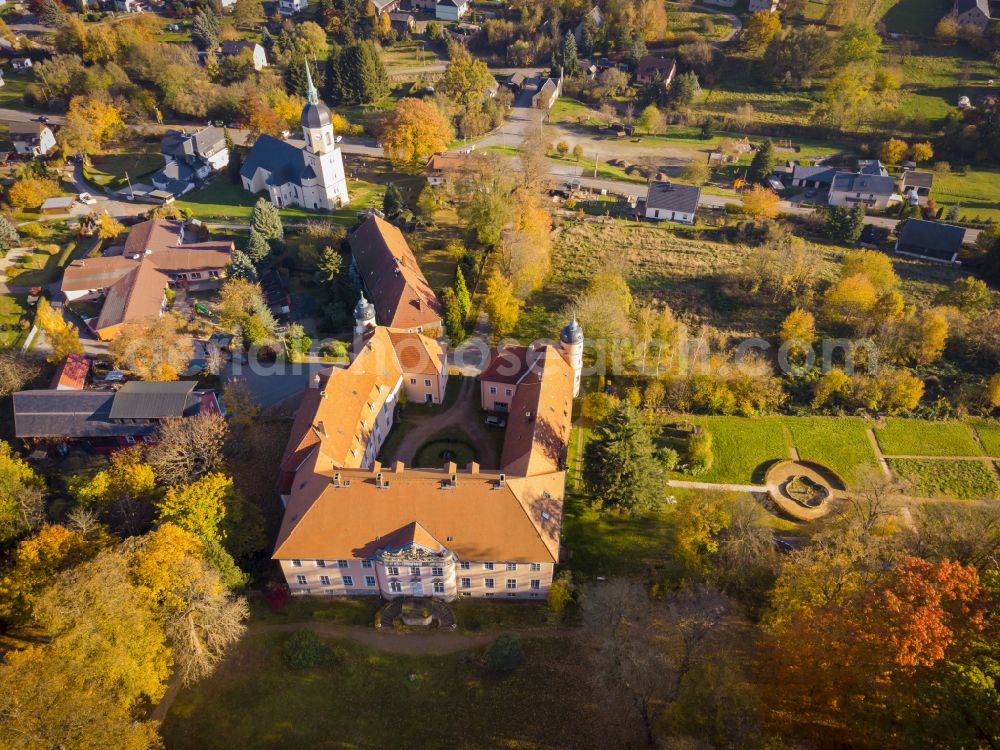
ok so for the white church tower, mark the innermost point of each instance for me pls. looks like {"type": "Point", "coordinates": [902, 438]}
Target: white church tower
{"type": "Point", "coordinates": [324, 184]}
{"type": "Point", "coordinates": [571, 346]}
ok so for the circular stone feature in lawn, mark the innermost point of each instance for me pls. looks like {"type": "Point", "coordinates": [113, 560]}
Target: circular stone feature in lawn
{"type": "Point", "coordinates": [438, 451]}
{"type": "Point", "coordinates": [803, 489]}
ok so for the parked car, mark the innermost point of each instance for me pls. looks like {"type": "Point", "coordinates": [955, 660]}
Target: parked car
{"type": "Point", "coordinates": [495, 421]}
{"type": "Point", "coordinates": [87, 199]}
{"type": "Point", "coordinates": [43, 118]}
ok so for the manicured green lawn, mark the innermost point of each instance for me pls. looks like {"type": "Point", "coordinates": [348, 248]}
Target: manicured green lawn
{"type": "Point", "coordinates": [379, 700]}
{"type": "Point", "coordinates": [12, 92]}
{"type": "Point", "coordinates": [37, 268]}
{"type": "Point", "coordinates": [431, 455]}
{"type": "Point", "coordinates": [411, 54]}
{"type": "Point", "coordinates": [743, 447]}
{"type": "Point", "coordinates": [13, 307]}
{"type": "Point", "coordinates": [710, 26]}
{"type": "Point", "coordinates": [989, 436]}
{"type": "Point", "coordinates": [977, 191]}
{"type": "Point", "coordinates": [840, 443]}
{"type": "Point", "coordinates": [920, 437]}
{"type": "Point", "coordinates": [223, 200]}
{"type": "Point", "coordinates": [961, 479]}
{"type": "Point", "coordinates": [110, 169]}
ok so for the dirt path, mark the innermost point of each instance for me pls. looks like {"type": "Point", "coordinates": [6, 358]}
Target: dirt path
{"type": "Point", "coordinates": [713, 486]}
{"type": "Point", "coordinates": [883, 464]}
{"type": "Point", "coordinates": [463, 416]}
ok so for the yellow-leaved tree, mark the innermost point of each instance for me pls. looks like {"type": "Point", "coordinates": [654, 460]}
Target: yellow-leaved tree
{"type": "Point", "coordinates": [91, 123]}
{"type": "Point", "coordinates": [502, 307]}
{"type": "Point", "coordinates": [61, 335]}
{"type": "Point", "coordinates": [412, 131]}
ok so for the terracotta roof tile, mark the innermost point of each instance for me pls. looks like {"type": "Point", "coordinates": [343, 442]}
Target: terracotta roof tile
{"type": "Point", "coordinates": [396, 285]}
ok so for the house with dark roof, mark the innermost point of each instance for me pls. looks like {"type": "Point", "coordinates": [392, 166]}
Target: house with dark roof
{"type": "Point", "coordinates": [391, 276]}
{"type": "Point", "coordinates": [915, 187]}
{"type": "Point", "coordinates": [930, 240]}
{"type": "Point", "coordinates": [594, 17]}
{"type": "Point", "coordinates": [190, 158]}
{"type": "Point", "coordinates": [236, 47]}
{"type": "Point", "coordinates": [384, 6]}
{"type": "Point", "coordinates": [670, 201]}
{"type": "Point", "coordinates": [974, 13]}
{"type": "Point", "coordinates": [107, 419]}
{"type": "Point", "coordinates": [402, 22]}
{"type": "Point", "coordinates": [813, 177]}
{"type": "Point", "coordinates": [130, 286]}
{"type": "Point", "coordinates": [32, 138]}
{"type": "Point", "coordinates": [851, 189]}
{"type": "Point", "coordinates": [308, 173]}
{"type": "Point", "coordinates": [651, 66]}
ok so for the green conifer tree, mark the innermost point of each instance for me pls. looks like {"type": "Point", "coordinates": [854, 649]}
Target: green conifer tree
{"type": "Point", "coordinates": [241, 267]}
{"type": "Point", "coordinates": [462, 294]}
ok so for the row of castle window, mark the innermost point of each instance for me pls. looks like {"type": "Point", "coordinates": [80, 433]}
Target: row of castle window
{"type": "Point", "coordinates": [397, 587]}
{"type": "Point", "coordinates": [393, 570]}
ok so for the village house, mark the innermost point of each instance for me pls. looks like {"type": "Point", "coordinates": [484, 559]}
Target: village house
{"type": "Point", "coordinates": [813, 177]}
{"type": "Point", "coordinates": [974, 13]}
{"type": "Point", "coordinates": [670, 201]}
{"type": "Point", "coordinates": [769, 6]}
{"type": "Point", "coordinates": [190, 158]}
{"type": "Point", "coordinates": [291, 7]}
{"type": "Point", "coordinates": [930, 240]}
{"type": "Point", "coordinates": [651, 66]}
{"type": "Point", "coordinates": [595, 17]}
{"type": "Point", "coordinates": [874, 191]}
{"type": "Point", "coordinates": [307, 173]}
{"type": "Point", "coordinates": [915, 187]}
{"type": "Point", "coordinates": [384, 6]}
{"type": "Point", "coordinates": [234, 48]}
{"type": "Point", "coordinates": [106, 420]}
{"type": "Point", "coordinates": [20, 64]}
{"type": "Point", "coordinates": [352, 527]}
{"type": "Point", "coordinates": [401, 296]}
{"type": "Point", "coordinates": [451, 10]}
{"type": "Point", "coordinates": [402, 22]}
{"type": "Point", "coordinates": [131, 286]}
{"type": "Point", "coordinates": [440, 165]}
{"type": "Point", "coordinates": [71, 375]}
{"type": "Point", "coordinates": [32, 138]}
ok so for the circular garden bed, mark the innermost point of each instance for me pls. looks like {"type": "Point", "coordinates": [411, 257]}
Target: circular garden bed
{"type": "Point", "coordinates": [435, 453]}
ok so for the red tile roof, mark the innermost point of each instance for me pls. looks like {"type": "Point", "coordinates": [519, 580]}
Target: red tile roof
{"type": "Point", "coordinates": [71, 373]}
{"type": "Point", "coordinates": [396, 285]}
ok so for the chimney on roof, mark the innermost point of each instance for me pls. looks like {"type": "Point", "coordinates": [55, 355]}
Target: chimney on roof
{"type": "Point", "coordinates": [398, 467]}
{"type": "Point", "coordinates": [320, 429]}
{"type": "Point", "coordinates": [451, 467]}
{"type": "Point", "coordinates": [377, 467]}
{"type": "Point", "coordinates": [314, 381]}
{"type": "Point", "coordinates": [473, 467]}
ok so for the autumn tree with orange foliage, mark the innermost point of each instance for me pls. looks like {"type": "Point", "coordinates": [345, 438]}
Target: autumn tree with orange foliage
{"type": "Point", "coordinates": [412, 131]}
{"type": "Point", "coordinates": [851, 670]}
{"type": "Point", "coordinates": [92, 123]}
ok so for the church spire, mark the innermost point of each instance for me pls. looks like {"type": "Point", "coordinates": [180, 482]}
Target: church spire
{"type": "Point", "coordinates": [310, 90]}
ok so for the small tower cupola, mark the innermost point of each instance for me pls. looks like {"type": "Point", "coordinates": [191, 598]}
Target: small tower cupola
{"type": "Point", "coordinates": [317, 128]}
{"type": "Point", "coordinates": [572, 333]}
{"type": "Point", "coordinates": [364, 324]}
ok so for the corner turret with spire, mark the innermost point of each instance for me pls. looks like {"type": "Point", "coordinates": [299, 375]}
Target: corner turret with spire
{"type": "Point", "coordinates": [317, 127]}
{"type": "Point", "coordinates": [571, 346]}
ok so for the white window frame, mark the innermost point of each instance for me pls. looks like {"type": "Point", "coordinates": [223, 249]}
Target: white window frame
{"type": "Point", "coordinates": [466, 583]}
{"type": "Point", "coordinates": [392, 570]}
{"type": "Point", "coordinates": [370, 582]}
{"type": "Point", "coordinates": [511, 584]}
{"type": "Point", "coordinates": [324, 581]}
{"type": "Point", "coordinates": [347, 580]}
{"type": "Point", "coordinates": [536, 584]}
{"type": "Point", "coordinates": [415, 571]}
{"type": "Point", "coordinates": [488, 566]}
{"type": "Point", "coordinates": [511, 566]}
{"type": "Point", "coordinates": [489, 583]}
{"type": "Point", "coordinates": [296, 563]}
{"type": "Point", "coordinates": [464, 564]}
{"type": "Point", "coordinates": [343, 564]}
{"type": "Point", "coordinates": [437, 572]}
{"type": "Point", "coordinates": [301, 580]}
{"type": "Point", "coordinates": [395, 587]}
{"type": "Point", "coordinates": [366, 564]}
{"type": "Point", "coordinates": [438, 587]}
{"type": "Point", "coordinates": [536, 567]}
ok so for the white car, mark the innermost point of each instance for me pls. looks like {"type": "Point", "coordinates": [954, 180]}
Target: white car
{"type": "Point", "coordinates": [338, 139]}
{"type": "Point", "coordinates": [87, 199]}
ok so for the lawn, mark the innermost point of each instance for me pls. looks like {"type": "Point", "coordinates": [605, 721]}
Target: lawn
{"type": "Point", "coordinates": [915, 17]}
{"type": "Point", "coordinates": [12, 92]}
{"type": "Point", "coordinates": [412, 54]}
{"type": "Point", "coordinates": [743, 448]}
{"type": "Point", "coordinates": [223, 200]}
{"type": "Point", "coordinates": [373, 699]}
{"type": "Point", "coordinates": [13, 307]}
{"type": "Point", "coordinates": [978, 193]}
{"type": "Point", "coordinates": [448, 446]}
{"type": "Point", "coordinates": [920, 437]}
{"type": "Point", "coordinates": [840, 443]}
{"type": "Point", "coordinates": [989, 436]}
{"type": "Point", "coordinates": [709, 26]}
{"type": "Point", "coordinates": [961, 479]}
{"type": "Point", "coordinates": [110, 169]}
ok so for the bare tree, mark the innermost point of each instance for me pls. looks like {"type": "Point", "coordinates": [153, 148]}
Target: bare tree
{"type": "Point", "coordinates": [16, 370]}
{"type": "Point", "coordinates": [534, 159]}
{"type": "Point", "coordinates": [188, 448]}
{"type": "Point", "coordinates": [208, 621]}
{"type": "Point", "coordinates": [642, 649]}
{"type": "Point", "coordinates": [874, 497]}
{"type": "Point", "coordinates": [968, 533]}
{"type": "Point", "coordinates": [84, 520]}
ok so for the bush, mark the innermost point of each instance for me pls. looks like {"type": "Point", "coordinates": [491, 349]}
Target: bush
{"type": "Point", "coordinates": [506, 654]}
{"type": "Point", "coordinates": [699, 452]}
{"type": "Point", "coordinates": [277, 598]}
{"type": "Point", "coordinates": [305, 650]}
{"type": "Point", "coordinates": [336, 349]}
{"type": "Point", "coordinates": [561, 591]}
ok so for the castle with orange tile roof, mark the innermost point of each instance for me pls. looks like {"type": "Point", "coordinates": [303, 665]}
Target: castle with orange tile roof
{"type": "Point", "coordinates": [353, 527]}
